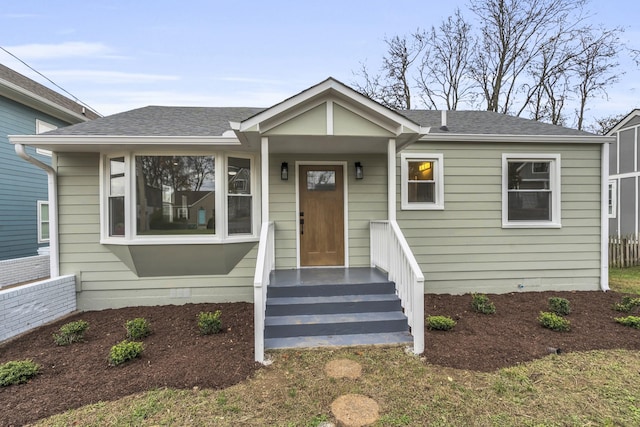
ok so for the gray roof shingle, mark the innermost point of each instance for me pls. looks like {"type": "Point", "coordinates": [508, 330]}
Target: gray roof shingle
{"type": "Point", "coordinates": [163, 121]}
{"type": "Point", "coordinates": [214, 121]}
{"type": "Point", "coordinates": [36, 88]}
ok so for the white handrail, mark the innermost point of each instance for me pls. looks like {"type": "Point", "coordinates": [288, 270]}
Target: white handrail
{"type": "Point", "coordinates": [391, 252]}
{"type": "Point", "coordinates": [265, 262]}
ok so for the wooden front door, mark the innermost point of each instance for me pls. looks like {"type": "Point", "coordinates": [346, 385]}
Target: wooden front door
{"type": "Point", "coordinates": [321, 215]}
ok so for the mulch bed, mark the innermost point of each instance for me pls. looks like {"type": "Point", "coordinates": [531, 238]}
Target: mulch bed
{"type": "Point", "coordinates": [177, 356]}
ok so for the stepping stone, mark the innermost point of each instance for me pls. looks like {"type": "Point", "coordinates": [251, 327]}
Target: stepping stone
{"type": "Point", "coordinates": [355, 410]}
{"type": "Point", "coordinates": [343, 368]}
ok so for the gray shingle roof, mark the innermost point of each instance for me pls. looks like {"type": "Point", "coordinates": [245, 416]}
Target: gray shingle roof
{"type": "Point", "coordinates": [163, 121]}
{"type": "Point", "coordinates": [485, 123]}
{"type": "Point", "coordinates": [214, 121]}
{"type": "Point", "coordinates": [37, 89]}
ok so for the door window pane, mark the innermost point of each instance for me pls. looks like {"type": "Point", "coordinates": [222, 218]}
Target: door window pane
{"type": "Point", "coordinates": [321, 180]}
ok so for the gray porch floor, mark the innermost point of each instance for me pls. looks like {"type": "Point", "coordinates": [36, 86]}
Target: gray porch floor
{"type": "Point", "coordinates": [323, 276]}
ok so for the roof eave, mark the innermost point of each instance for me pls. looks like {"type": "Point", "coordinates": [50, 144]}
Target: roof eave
{"type": "Point", "coordinates": [98, 143]}
{"type": "Point", "coordinates": [30, 99]}
{"type": "Point", "coordinates": [537, 139]}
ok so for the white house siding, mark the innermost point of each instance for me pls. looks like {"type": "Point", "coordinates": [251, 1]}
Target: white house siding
{"type": "Point", "coordinates": [103, 281]}
{"type": "Point", "coordinates": [367, 202]}
{"type": "Point", "coordinates": [464, 248]}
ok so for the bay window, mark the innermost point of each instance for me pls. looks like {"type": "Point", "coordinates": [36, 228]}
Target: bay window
{"type": "Point", "coordinates": [177, 198]}
{"type": "Point", "coordinates": [530, 190]}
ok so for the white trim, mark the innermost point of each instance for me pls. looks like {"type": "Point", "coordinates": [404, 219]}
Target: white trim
{"type": "Point", "coordinates": [329, 117]}
{"type": "Point", "coordinates": [554, 185]}
{"type": "Point", "coordinates": [501, 138]}
{"type": "Point", "coordinates": [391, 178]}
{"type": "Point", "coordinates": [604, 220]}
{"type": "Point", "coordinates": [345, 182]}
{"type": "Point", "coordinates": [28, 98]}
{"type": "Point", "coordinates": [613, 184]}
{"type": "Point", "coordinates": [330, 86]}
{"type": "Point", "coordinates": [264, 180]}
{"type": "Point", "coordinates": [40, 204]}
{"type": "Point", "coordinates": [438, 175]}
{"type": "Point", "coordinates": [221, 218]}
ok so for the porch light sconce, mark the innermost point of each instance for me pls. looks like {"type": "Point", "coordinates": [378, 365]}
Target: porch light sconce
{"type": "Point", "coordinates": [359, 171]}
{"type": "Point", "coordinates": [284, 171]}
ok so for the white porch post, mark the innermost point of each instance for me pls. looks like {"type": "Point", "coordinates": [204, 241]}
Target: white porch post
{"type": "Point", "coordinates": [391, 179]}
{"type": "Point", "coordinates": [264, 179]}
{"type": "Point", "coordinates": [604, 218]}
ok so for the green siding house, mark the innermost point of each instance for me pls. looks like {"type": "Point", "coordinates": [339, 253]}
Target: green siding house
{"type": "Point", "coordinates": [173, 205]}
{"type": "Point", "coordinates": [26, 107]}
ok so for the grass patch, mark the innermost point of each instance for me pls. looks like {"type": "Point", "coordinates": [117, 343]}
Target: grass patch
{"type": "Point", "coordinates": [575, 389]}
{"type": "Point", "coordinates": [625, 280]}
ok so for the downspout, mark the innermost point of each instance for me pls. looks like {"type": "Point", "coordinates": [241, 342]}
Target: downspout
{"type": "Point", "coordinates": [604, 218]}
{"type": "Point", "coordinates": [54, 267]}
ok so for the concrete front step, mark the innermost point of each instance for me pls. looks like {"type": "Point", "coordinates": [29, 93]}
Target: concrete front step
{"type": "Point", "coordinates": [384, 338]}
{"type": "Point", "coordinates": [335, 324]}
{"type": "Point", "coordinates": [333, 304]}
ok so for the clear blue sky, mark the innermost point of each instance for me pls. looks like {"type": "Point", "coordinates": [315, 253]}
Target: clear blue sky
{"type": "Point", "coordinates": [116, 55]}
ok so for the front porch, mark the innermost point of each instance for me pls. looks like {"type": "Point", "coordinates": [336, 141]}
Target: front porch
{"type": "Point", "coordinates": [333, 307]}
{"type": "Point", "coordinates": [378, 305]}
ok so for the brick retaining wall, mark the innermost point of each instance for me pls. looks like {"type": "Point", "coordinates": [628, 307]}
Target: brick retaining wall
{"type": "Point", "coordinates": [20, 270]}
{"type": "Point", "coordinates": [25, 307]}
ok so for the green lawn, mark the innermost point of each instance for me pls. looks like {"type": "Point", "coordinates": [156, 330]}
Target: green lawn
{"type": "Point", "coordinates": [626, 280]}
{"type": "Point", "coordinates": [595, 388]}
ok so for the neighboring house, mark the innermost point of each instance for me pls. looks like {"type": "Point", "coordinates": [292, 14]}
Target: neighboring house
{"type": "Point", "coordinates": [27, 107]}
{"type": "Point", "coordinates": [486, 202]}
{"type": "Point", "coordinates": [624, 172]}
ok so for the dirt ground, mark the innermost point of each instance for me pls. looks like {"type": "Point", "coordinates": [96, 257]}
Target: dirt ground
{"type": "Point", "coordinates": [177, 356]}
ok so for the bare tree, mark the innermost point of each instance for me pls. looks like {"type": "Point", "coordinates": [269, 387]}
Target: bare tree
{"type": "Point", "coordinates": [513, 33]}
{"type": "Point", "coordinates": [391, 87]}
{"type": "Point", "coordinates": [603, 125]}
{"type": "Point", "coordinates": [595, 65]}
{"type": "Point", "coordinates": [444, 73]}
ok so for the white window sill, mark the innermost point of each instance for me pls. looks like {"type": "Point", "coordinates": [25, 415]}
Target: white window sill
{"type": "Point", "coordinates": [422, 207]}
{"type": "Point", "coordinates": [531, 225]}
{"type": "Point", "coordinates": [176, 241]}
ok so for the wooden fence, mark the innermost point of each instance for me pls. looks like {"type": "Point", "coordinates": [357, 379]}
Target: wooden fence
{"type": "Point", "coordinates": [624, 251]}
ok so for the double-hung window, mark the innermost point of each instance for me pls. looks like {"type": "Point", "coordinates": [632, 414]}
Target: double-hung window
{"type": "Point", "coordinates": [43, 221]}
{"type": "Point", "coordinates": [613, 198]}
{"type": "Point", "coordinates": [177, 198]}
{"type": "Point", "coordinates": [422, 181]}
{"type": "Point", "coordinates": [531, 190]}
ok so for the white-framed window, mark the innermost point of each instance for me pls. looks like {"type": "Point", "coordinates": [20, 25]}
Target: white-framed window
{"type": "Point", "coordinates": [422, 181]}
{"type": "Point", "coordinates": [43, 221]}
{"type": "Point", "coordinates": [531, 190]}
{"type": "Point", "coordinates": [613, 199]}
{"type": "Point", "coordinates": [42, 127]}
{"type": "Point", "coordinates": [176, 198]}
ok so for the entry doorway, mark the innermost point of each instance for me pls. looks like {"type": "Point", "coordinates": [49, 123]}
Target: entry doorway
{"type": "Point", "coordinates": [321, 215]}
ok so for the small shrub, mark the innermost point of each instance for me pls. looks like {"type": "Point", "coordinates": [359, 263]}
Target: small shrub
{"type": "Point", "coordinates": [632, 321]}
{"type": "Point", "coordinates": [17, 372]}
{"type": "Point", "coordinates": [559, 306]}
{"type": "Point", "coordinates": [553, 321]}
{"type": "Point", "coordinates": [124, 351]}
{"type": "Point", "coordinates": [482, 304]}
{"type": "Point", "coordinates": [71, 332]}
{"type": "Point", "coordinates": [440, 323]}
{"type": "Point", "coordinates": [628, 303]}
{"type": "Point", "coordinates": [209, 323]}
{"type": "Point", "coordinates": [137, 328]}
